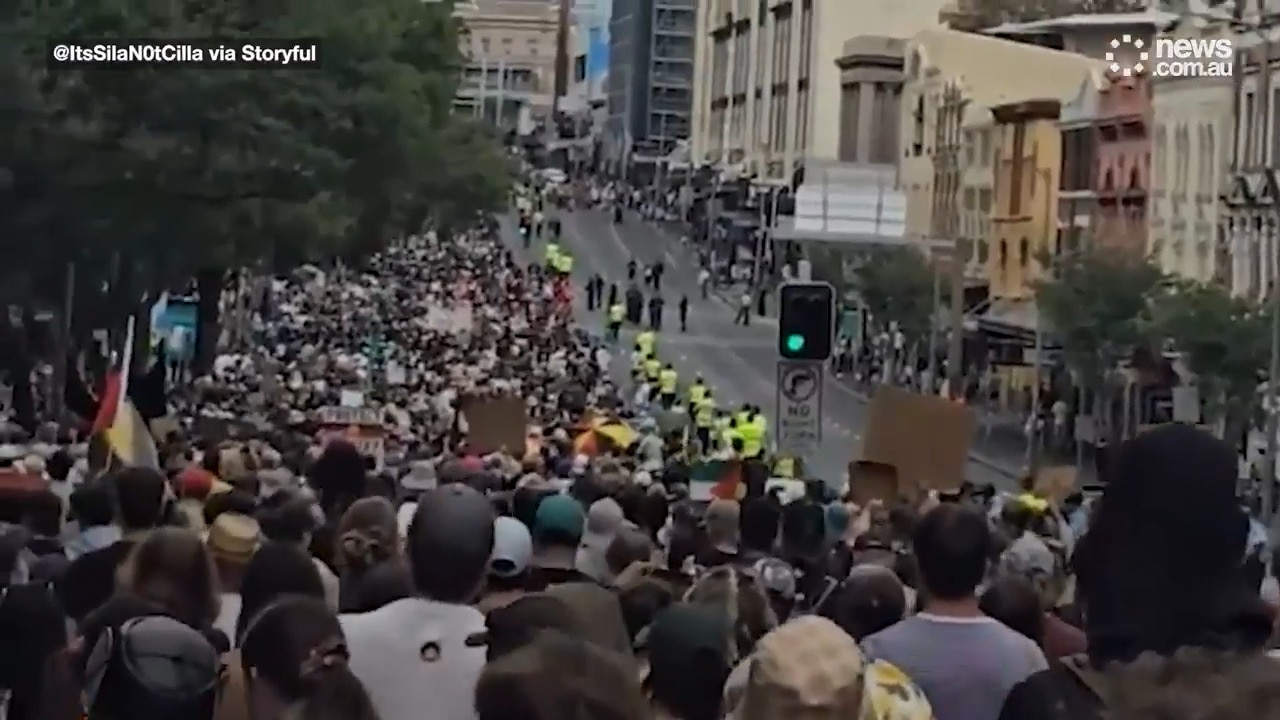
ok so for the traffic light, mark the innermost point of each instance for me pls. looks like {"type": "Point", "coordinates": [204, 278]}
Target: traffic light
{"type": "Point", "coordinates": [806, 320]}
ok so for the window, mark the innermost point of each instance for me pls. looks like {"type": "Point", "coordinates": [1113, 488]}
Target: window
{"type": "Point", "coordinates": [1247, 135]}
{"type": "Point", "coordinates": [802, 119]}
{"type": "Point", "coordinates": [969, 198]}
{"type": "Point", "coordinates": [851, 103]}
{"type": "Point", "coordinates": [984, 200]}
{"type": "Point", "coordinates": [1015, 169]}
{"type": "Point", "coordinates": [806, 38]}
{"type": "Point", "coordinates": [484, 45]}
{"type": "Point", "coordinates": [1024, 252]}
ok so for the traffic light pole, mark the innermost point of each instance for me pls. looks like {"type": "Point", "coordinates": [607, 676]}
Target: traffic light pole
{"type": "Point", "coordinates": [806, 338]}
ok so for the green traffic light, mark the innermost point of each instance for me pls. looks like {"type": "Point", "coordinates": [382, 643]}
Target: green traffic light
{"type": "Point", "coordinates": [795, 342]}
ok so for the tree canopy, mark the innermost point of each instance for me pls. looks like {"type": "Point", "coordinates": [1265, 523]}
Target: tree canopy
{"type": "Point", "coordinates": [148, 176]}
{"type": "Point", "coordinates": [1224, 340]}
{"type": "Point", "coordinates": [1099, 308]}
{"type": "Point", "coordinates": [896, 285]}
{"type": "Point", "coordinates": [1102, 309]}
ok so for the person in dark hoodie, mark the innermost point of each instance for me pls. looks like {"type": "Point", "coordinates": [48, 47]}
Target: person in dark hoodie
{"type": "Point", "coordinates": [1174, 630]}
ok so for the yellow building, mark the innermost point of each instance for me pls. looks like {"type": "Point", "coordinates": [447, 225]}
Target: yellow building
{"type": "Point", "coordinates": [1024, 214]}
{"type": "Point", "coordinates": [989, 71]}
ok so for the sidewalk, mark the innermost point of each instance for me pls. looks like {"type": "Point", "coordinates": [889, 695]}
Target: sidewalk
{"type": "Point", "coordinates": [997, 445]}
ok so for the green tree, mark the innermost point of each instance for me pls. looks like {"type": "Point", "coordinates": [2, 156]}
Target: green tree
{"type": "Point", "coordinates": [1099, 308]}
{"type": "Point", "coordinates": [148, 177]}
{"type": "Point", "coordinates": [1224, 340]}
{"type": "Point", "coordinates": [896, 285]}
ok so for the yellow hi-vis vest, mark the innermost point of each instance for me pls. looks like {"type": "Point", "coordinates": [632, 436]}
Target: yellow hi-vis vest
{"type": "Point", "coordinates": [704, 413]}
{"type": "Point", "coordinates": [752, 441]}
{"type": "Point", "coordinates": [616, 313]}
{"type": "Point", "coordinates": [667, 382]}
{"type": "Point", "coordinates": [564, 264]}
{"type": "Point", "coordinates": [652, 368]}
{"type": "Point", "coordinates": [697, 392]}
{"type": "Point", "coordinates": [645, 342]}
{"type": "Point", "coordinates": [552, 253]}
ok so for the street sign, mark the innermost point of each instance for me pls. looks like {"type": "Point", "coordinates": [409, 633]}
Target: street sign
{"type": "Point", "coordinates": [799, 407]}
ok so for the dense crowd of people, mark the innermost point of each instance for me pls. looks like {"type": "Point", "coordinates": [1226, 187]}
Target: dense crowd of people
{"type": "Point", "coordinates": [266, 569]}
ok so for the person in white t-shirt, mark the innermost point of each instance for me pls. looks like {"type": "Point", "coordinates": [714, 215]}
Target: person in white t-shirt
{"type": "Point", "coordinates": [420, 657]}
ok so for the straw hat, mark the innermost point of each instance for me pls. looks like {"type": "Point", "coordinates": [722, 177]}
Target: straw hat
{"type": "Point", "coordinates": [233, 537]}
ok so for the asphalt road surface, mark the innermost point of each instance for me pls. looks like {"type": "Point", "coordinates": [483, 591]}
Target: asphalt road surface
{"type": "Point", "coordinates": [738, 363]}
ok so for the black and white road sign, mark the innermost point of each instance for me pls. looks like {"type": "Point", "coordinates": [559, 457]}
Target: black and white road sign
{"type": "Point", "coordinates": [799, 408]}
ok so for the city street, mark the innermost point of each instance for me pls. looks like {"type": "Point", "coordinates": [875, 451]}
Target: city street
{"type": "Point", "coordinates": [738, 363]}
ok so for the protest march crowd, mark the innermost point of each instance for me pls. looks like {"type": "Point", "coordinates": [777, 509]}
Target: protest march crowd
{"type": "Point", "coordinates": [418, 492]}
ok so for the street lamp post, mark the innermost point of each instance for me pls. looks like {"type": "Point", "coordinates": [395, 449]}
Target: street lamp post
{"type": "Point", "coordinates": [946, 228]}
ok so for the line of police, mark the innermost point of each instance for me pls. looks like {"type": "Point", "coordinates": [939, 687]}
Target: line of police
{"type": "Point", "coordinates": [719, 432]}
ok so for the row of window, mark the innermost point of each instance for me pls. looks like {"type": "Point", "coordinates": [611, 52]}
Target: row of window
{"type": "Point", "coordinates": [1258, 145]}
{"type": "Point", "coordinates": [531, 45]}
{"type": "Point", "coordinates": [1177, 144]}
{"type": "Point", "coordinates": [733, 89]}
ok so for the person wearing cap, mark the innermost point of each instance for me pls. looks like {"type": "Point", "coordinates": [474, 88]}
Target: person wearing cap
{"type": "Point", "coordinates": [232, 540]}
{"type": "Point", "coordinates": [290, 517]}
{"type": "Point", "coordinates": [557, 530]}
{"type": "Point", "coordinates": [508, 578]}
{"type": "Point", "coordinates": [604, 520]}
{"type": "Point", "coordinates": [721, 521]}
{"type": "Point", "coordinates": [690, 653]}
{"type": "Point", "coordinates": [420, 657]}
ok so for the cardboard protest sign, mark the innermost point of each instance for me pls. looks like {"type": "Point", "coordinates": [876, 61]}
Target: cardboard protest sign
{"type": "Point", "coordinates": [347, 416]}
{"type": "Point", "coordinates": [495, 423]}
{"type": "Point", "coordinates": [360, 426]}
{"type": "Point", "coordinates": [873, 481]}
{"type": "Point", "coordinates": [218, 429]}
{"type": "Point", "coordinates": [1056, 483]}
{"type": "Point", "coordinates": [925, 437]}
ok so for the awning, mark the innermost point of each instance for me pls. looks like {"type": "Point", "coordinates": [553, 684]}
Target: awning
{"type": "Point", "coordinates": [1016, 316]}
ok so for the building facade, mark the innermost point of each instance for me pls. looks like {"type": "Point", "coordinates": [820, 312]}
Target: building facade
{"type": "Point", "coordinates": [1123, 166]}
{"type": "Point", "coordinates": [769, 91]}
{"type": "Point", "coordinates": [1249, 197]}
{"type": "Point", "coordinates": [511, 55]}
{"type": "Point", "coordinates": [871, 76]}
{"type": "Point", "coordinates": [1077, 186]}
{"type": "Point", "coordinates": [977, 186]}
{"type": "Point", "coordinates": [1190, 155]}
{"type": "Point", "coordinates": [989, 71]}
{"type": "Point", "coordinates": [590, 54]}
{"type": "Point", "coordinates": [1024, 217]}
{"type": "Point", "coordinates": [649, 85]}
